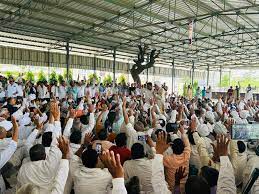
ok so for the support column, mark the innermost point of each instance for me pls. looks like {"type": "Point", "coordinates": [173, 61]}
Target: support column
{"type": "Point", "coordinates": [229, 73]}
{"type": "Point", "coordinates": [173, 76]}
{"type": "Point", "coordinates": [94, 64]}
{"type": "Point", "coordinates": [220, 75]}
{"type": "Point", "coordinates": [208, 75]}
{"type": "Point", "coordinates": [48, 63]}
{"type": "Point", "coordinates": [192, 72]}
{"type": "Point", "coordinates": [113, 67]}
{"type": "Point", "coordinates": [67, 59]}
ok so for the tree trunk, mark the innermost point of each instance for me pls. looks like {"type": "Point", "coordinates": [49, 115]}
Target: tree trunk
{"type": "Point", "coordinates": [135, 76]}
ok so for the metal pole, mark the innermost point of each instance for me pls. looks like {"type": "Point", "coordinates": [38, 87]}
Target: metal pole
{"type": "Point", "coordinates": [173, 75]}
{"type": "Point", "coordinates": [67, 59]}
{"type": "Point", "coordinates": [220, 75]}
{"type": "Point", "coordinates": [229, 77]}
{"type": "Point", "coordinates": [48, 63]}
{"type": "Point", "coordinates": [192, 71]}
{"type": "Point", "coordinates": [114, 60]}
{"type": "Point", "coordinates": [208, 75]}
{"type": "Point", "coordinates": [94, 64]}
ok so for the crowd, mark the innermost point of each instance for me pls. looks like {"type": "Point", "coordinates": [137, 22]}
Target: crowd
{"type": "Point", "coordinates": [93, 138]}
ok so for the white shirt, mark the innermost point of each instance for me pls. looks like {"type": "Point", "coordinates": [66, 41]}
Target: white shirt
{"type": "Point", "coordinates": [20, 90]}
{"type": "Point", "coordinates": [41, 93]}
{"type": "Point", "coordinates": [132, 135]}
{"type": "Point", "coordinates": [89, 180]}
{"type": "Point", "coordinates": [81, 91]}
{"type": "Point", "coordinates": [142, 168]}
{"type": "Point", "coordinates": [41, 173]}
{"type": "Point", "coordinates": [62, 92]}
{"type": "Point", "coordinates": [54, 91]}
{"type": "Point", "coordinates": [12, 90]}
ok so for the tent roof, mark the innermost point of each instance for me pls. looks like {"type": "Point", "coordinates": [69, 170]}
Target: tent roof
{"type": "Point", "coordinates": [225, 32]}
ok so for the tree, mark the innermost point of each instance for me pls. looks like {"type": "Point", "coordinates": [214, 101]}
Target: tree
{"type": "Point", "coordinates": [29, 76]}
{"type": "Point", "coordinates": [53, 77]}
{"type": "Point", "coordinates": [60, 78]}
{"type": "Point", "coordinates": [138, 67]}
{"type": "Point", "coordinates": [225, 81]}
{"type": "Point", "coordinates": [70, 75]}
{"type": "Point", "coordinates": [8, 74]}
{"type": "Point", "coordinates": [93, 78]}
{"type": "Point", "coordinates": [42, 77]}
{"type": "Point", "coordinates": [122, 79]}
{"type": "Point", "coordinates": [107, 80]}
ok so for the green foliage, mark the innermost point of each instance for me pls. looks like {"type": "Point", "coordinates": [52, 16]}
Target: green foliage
{"type": "Point", "coordinates": [70, 75]}
{"type": "Point", "coordinates": [53, 77]}
{"type": "Point", "coordinates": [195, 86]}
{"type": "Point", "coordinates": [60, 78]}
{"type": "Point", "coordinates": [92, 77]}
{"type": "Point", "coordinates": [29, 76]}
{"type": "Point", "coordinates": [122, 79]}
{"type": "Point", "coordinates": [42, 76]}
{"type": "Point", "coordinates": [107, 79]}
{"type": "Point", "coordinates": [224, 81]}
{"type": "Point", "coordinates": [8, 74]}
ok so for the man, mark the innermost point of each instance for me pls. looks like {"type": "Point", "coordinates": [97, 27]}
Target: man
{"type": "Point", "coordinates": [86, 177]}
{"type": "Point", "coordinates": [180, 157]}
{"type": "Point", "coordinates": [41, 90]}
{"type": "Point", "coordinates": [41, 170]}
{"type": "Point", "coordinates": [12, 88]}
{"type": "Point", "coordinates": [230, 92]}
{"type": "Point", "coordinates": [7, 148]}
{"type": "Point", "coordinates": [139, 166]}
{"type": "Point", "coordinates": [73, 90]}
{"type": "Point", "coordinates": [54, 90]}
{"type": "Point", "coordinates": [148, 92]}
{"type": "Point", "coordinates": [159, 95]}
{"type": "Point", "coordinates": [120, 148]}
{"type": "Point", "coordinates": [62, 90]}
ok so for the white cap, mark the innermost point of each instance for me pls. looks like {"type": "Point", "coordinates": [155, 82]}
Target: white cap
{"type": "Point", "coordinates": [203, 130]}
{"type": "Point", "coordinates": [6, 124]}
{"type": "Point", "coordinates": [219, 128]}
{"type": "Point", "coordinates": [158, 83]}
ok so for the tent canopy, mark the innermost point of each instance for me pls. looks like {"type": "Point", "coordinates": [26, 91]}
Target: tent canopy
{"type": "Point", "coordinates": [225, 33]}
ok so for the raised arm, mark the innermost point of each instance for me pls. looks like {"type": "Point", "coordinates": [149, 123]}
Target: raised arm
{"type": "Point", "coordinates": [226, 180]}
{"type": "Point", "coordinates": [69, 124]}
{"type": "Point", "coordinates": [125, 114]}
{"type": "Point", "coordinates": [113, 164]}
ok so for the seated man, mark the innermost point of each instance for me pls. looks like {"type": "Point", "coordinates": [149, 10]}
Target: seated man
{"type": "Point", "coordinates": [86, 177]}
{"type": "Point", "coordinates": [41, 170]}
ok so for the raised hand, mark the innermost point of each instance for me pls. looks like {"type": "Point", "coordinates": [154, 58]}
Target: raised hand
{"type": "Point", "coordinates": [88, 138]}
{"type": "Point", "coordinates": [63, 145]}
{"type": "Point", "coordinates": [112, 163]}
{"type": "Point", "coordinates": [221, 149]}
{"type": "Point", "coordinates": [180, 174]}
{"type": "Point", "coordinates": [161, 144]}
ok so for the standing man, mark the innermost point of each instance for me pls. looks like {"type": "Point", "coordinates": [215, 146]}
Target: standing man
{"type": "Point", "coordinates": [62, 90]}
{"type": "Point", "coordinates": [12, 88]}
